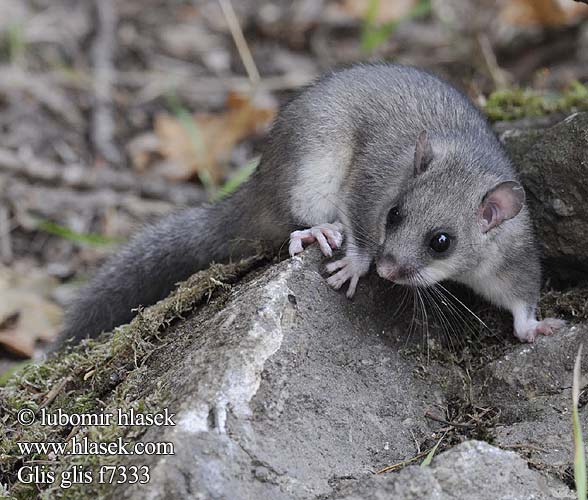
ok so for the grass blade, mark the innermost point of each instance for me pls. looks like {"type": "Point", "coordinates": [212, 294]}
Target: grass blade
{"type": "Point", "coordinates": [429, 458]}
{"type": "Point", "coordinates": [92, 239]}
{"type": "Point", "coordinates": [579, 453]}
{"type": "Point", "coordinates": [236, 180]}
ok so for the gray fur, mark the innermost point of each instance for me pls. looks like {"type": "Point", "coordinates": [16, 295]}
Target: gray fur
{"type": "Point", "coordinates": [343, 150]}
{"type": "Point", "coordinates": [148, 268]}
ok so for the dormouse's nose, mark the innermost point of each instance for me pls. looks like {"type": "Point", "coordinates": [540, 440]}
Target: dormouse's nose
{"type": "Point", "coordinates": [387, 267]}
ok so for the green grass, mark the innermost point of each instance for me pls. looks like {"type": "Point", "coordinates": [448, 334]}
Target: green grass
{"type": "Point", "coordinates": [429, 458]}
{"type": "Point", "coordinates": [16, 42]}
{"type": "Point", "coordinates": [91, 239]}
{"type": "Point", "coordinates": [373, 34]}
{"type": "Point", "coordinates": [579, 450]}
{"type": "Point", "coordinates": [236, 180]}
{"type": "Point", "coordinates": [191, 127]}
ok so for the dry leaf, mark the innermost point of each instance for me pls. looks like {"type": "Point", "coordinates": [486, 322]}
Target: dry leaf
{"type": "Point", "coordinates": [26, 315]}
{"type": "Point", "coordinates": [387, 11]}
{"type": "Point", "coordinates": [202, 144]}
{"type": "Point", "coordinates": [541, 12]}
{"type": "Point", "coordinates": [141, 150]}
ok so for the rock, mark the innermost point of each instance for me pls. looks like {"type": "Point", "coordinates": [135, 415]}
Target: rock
{"type": "Point", "coordinates": [282, 388]}
{"type": "Point", "coordinates": [531, 387]}
{"type": "Point", "coordinates": [553, 164]}
{"type": "Point", "coordinates": [287, 391]}
{"type": "Point", "coordinates": [473, 469]}
{"type": "Point", "coordinates": [532, 370]}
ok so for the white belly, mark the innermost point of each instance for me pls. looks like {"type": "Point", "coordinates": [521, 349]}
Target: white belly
{"type": "Point", "coordinates": [317, 195]}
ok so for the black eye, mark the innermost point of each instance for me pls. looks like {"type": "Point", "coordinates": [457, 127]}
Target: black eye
{"type": "Point", "coordinates": [394, 217]}
{"type": "Point", "coordinates": [440, 242]}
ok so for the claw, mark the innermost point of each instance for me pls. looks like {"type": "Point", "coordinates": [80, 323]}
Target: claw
{"type": "Point", "coordinates": [328, 237]}
{"type": "Point", "coordinates": [536, 328]}
{"type": "Point", "coordinates": [346, 269]}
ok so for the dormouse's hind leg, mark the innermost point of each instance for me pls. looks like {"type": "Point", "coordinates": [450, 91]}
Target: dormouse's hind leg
{"type": "Point", "coordinates": [519, 294]}
{"type": "Point", "coordinates": [328, 237]}
{"type": "Point", "coordinates": [527, 327]}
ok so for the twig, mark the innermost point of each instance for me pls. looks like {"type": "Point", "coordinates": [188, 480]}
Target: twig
{"type": "Point", "coordinates": [199, 88]}
{"type": "Point", "coordinates": [5, 240]}
{"type": "Point", "coordinates": [499, 76]}
{"type": "Point", "coordinates": [55, 391]}
{"type": "Point", "coordinates": [72, 433]}
{"type": "Point", "coordinates": [523, 446]}
{"type": "Point", "coordinates": [446, 422]}
{"type": "Point", "coordinates": [102, 55]}
{"type": "Point", "coordinates": [240, 42]}
{"type": "Point", "coordinates": [188, 83]}
{"type": "Point", "coordinates": [24, 164]}
{"type": "Point", "coordinates": [41, 88]}
{"type": "Point", "coordinates": [404, 462]}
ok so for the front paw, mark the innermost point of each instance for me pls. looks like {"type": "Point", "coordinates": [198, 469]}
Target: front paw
{"type": "Point", "coordinates": [328, 237]}
{"type": "Point", "coordinates": [535, 328]}
{"type": "Point", "coordinates": [346, 269]}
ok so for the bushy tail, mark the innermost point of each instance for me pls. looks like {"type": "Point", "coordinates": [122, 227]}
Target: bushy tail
{"type": "Point", "coordinates": [148, 267]}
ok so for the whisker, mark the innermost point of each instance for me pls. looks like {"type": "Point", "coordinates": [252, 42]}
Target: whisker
{"type": "Point", "coordinates": [458, 312]}
{"type": "Point", "coordinates": [403, 302]}
{"type": "Point", "coordinates": [466, 308]}
{"type": "Point", "coordinates": [425, 322]}
{"type": "Point", "coordinates": [412, 320]}
{"type": "Point", "coordinates": [441, 316]}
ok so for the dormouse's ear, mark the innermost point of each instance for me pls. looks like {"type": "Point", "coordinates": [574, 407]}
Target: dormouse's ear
{"type": "Point", "coordinates": [502, 202]}
{"type": "Point", "coordinates": [423, 153]}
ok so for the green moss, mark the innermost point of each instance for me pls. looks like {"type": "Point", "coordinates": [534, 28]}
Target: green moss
{"type": "Point", "coordinates": [100, 375]}
{"type": "Point", "coordinates": [516, 103]}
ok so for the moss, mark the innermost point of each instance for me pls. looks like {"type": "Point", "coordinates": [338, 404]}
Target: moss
{"type": "Point", "coordinates": [576, 97]}
{"type": "Point", "coordinates": [516, 103]}
{"type": "Point", "coordinates": [571, 305]}
{"type": "Point", "coordinates": [97, 376]}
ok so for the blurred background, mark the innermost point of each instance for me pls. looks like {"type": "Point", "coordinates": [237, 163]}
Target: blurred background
{"type": "Point", "coordinates": [113, 113]}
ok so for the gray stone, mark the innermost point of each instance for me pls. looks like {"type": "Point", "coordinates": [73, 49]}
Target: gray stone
{"type": "Point", "coordinates": [553, 163]}
{"type": "Point", "coordinates": [286, 389]}
{"type": "Point", "coordinates": [471, 470]}
{"type": "Point", "coordinates": [531, 387]}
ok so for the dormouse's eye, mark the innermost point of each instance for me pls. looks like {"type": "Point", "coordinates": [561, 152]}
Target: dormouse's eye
{"type": "Point", "coordinates": [394, 217]}
{"type": "Point", "coordinates": [440, 242]}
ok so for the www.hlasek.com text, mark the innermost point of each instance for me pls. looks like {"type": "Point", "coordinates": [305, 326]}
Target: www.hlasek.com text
{"type": "Point", "coordinates": [84, 446]}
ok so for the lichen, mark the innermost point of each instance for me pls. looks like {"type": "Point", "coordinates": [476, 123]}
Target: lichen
{"type": "Point", "coordinates": [515, 103]}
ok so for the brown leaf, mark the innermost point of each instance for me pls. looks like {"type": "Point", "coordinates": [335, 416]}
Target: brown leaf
{"type": "Point", "coordinates": [25, 313]}
{"type": "Point", "coordinates": [203, 143]}
{"type": "Point", "coordinates": [541, 12]}
{"type": "Point", "coordinates": [141, 150]}
{"type": "Point", "coordinates": [387, 11]}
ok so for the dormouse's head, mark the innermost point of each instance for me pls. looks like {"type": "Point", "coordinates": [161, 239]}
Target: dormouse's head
{"type": "Point", "coordinates": [445, 221]}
